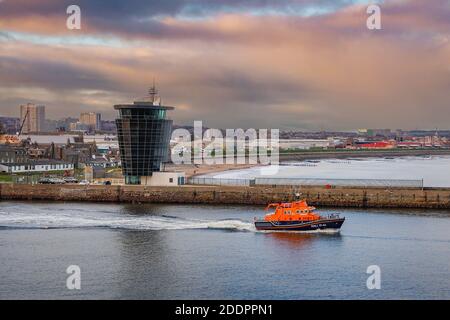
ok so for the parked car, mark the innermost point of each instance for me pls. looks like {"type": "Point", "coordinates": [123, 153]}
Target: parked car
{"type": "Point", "coordinates": [107, 183]}
{"type": "Point", "coordinates": [56, 181]}
{"type": "Point", "coordinates": [84, 182]}
{"type": "Point", "coordinates": [70, 180]}
{"type": "Point", "coordinates": [44, 181]}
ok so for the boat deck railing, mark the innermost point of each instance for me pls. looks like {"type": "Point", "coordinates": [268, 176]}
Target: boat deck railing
{"type": "Point", "coordinates": [332, 216]}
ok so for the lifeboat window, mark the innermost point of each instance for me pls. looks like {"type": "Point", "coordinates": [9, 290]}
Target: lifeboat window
{"type": "Point", "coordinates": [298, 211]}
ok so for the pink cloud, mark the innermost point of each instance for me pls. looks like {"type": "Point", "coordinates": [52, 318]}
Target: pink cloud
{"type": "Point", "coordinates": [327, 71]}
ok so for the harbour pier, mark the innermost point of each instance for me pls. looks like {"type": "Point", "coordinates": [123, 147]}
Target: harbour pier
{"type": "Point", "coordinates": [323, 196]}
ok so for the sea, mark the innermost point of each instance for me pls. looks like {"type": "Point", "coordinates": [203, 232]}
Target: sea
{"type": "Point", "coordinates": [158, 251]}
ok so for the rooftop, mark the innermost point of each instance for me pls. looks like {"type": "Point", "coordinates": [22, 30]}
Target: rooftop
{"type": "Point", "coordinates": [152, 101]}
{"type": "Point", "coordinates": [7, 147]}
{"type": "Point", "coordinates": [143, 105]}
{"type": "Point", "coordinates": [37, 162]}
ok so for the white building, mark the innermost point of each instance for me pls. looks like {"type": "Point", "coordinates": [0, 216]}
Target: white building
{"type": "Point", "coordinates": [305, 143]}
{"type": "Point", "coordinates": [35, 166]}
{"type": "Point", "coordinates": [164, 179]}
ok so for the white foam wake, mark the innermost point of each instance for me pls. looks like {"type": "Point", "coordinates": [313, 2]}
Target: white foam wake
{"type": "Point", "coordinates": [61, 220]}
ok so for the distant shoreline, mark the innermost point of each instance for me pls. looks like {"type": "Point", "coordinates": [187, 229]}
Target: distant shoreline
{"type": "Point", "coordinates": [310, 155]}
{"type": "Point", "coordinates": [192, 170]}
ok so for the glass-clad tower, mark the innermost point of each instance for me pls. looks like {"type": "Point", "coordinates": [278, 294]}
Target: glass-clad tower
{"type": "Point", "coordinates": [143, 131]}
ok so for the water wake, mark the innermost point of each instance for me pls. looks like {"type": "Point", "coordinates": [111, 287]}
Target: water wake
{"type": "Point", "coordinates": [60, 221]}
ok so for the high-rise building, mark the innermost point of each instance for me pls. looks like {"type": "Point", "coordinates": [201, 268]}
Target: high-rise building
{"type": "Point", "coordinates": [91, 119]}
{"type": "Point", "coordinates": [143, 133]}
{"type": "Point", "coordinates": [33, 118]}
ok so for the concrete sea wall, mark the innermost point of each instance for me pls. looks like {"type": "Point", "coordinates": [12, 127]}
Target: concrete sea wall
{"type": "Point", "coordinates": [257, 195]}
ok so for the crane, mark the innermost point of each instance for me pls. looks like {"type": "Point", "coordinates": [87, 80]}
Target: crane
{"type": "Point", "coordinates": [23, 122]}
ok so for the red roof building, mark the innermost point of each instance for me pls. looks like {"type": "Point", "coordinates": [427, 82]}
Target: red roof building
{"type": "Point", "coordinates": [377, 145]}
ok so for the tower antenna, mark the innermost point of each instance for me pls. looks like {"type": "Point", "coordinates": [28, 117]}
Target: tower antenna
{"type": "Point", "coordinates": [153, 92]}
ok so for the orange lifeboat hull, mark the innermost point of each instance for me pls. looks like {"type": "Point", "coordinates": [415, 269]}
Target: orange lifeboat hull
{"type": "Point", "coordinates": [297, 216]}
{"type": "Point", "coordinates": [325, 224]}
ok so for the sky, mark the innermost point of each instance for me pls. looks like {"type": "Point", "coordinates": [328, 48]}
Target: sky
{"type": "Point", "coordinates": [287, 64]}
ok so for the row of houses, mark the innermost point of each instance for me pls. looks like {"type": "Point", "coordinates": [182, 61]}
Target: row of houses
{"type": "Point", "coordinates": [36, 166]}
{"type": "Point", "coordinates": [18, 159]}
{"type": "Point", "coordinates": [15, 159]}
{"type": "Point", "coordinates": [12, 154]}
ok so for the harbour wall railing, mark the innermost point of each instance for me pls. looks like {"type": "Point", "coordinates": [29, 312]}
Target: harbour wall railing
{"type": "Point", "coordinates": [407, 183]}
{"type": "Point", "coordinates": [220, 182]}
{"type": "Point", "coordinates": [341, 182]}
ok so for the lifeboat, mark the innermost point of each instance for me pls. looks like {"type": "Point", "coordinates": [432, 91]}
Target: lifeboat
{"type": "Point", "coordinates": [297, 216]}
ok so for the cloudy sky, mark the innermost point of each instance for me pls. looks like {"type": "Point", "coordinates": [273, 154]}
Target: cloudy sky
{"type": "Point", "coordinates": [290, 64]}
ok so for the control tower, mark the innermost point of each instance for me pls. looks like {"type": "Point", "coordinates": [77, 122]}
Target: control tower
{"type": "Point", "coordinates": [143, 131]}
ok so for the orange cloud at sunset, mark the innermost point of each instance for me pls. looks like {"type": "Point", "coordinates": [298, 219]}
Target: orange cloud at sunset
{"type": "Point", "coordinates": [321, 71]}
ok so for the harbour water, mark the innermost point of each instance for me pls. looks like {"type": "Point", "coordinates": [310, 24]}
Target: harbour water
{"type": "Point", "coordinates": [434, 170]}
{"type": "Point", "coordinates": [213, 252]}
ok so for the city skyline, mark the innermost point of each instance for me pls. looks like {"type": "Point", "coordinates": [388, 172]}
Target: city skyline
{"type": "Point", "coordinates": [310, 65]}
{"type": "Point", "coordinates": [94, 119]}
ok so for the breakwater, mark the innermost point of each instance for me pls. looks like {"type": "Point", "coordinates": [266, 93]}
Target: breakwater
{"type": "Point", "coordinates": [431, 198]}
{"type": "Point", "coordinates": [345, 154]}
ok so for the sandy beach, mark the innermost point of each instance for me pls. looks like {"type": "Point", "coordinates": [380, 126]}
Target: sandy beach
{"type": "Point", "coordinates": [192, 170]}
